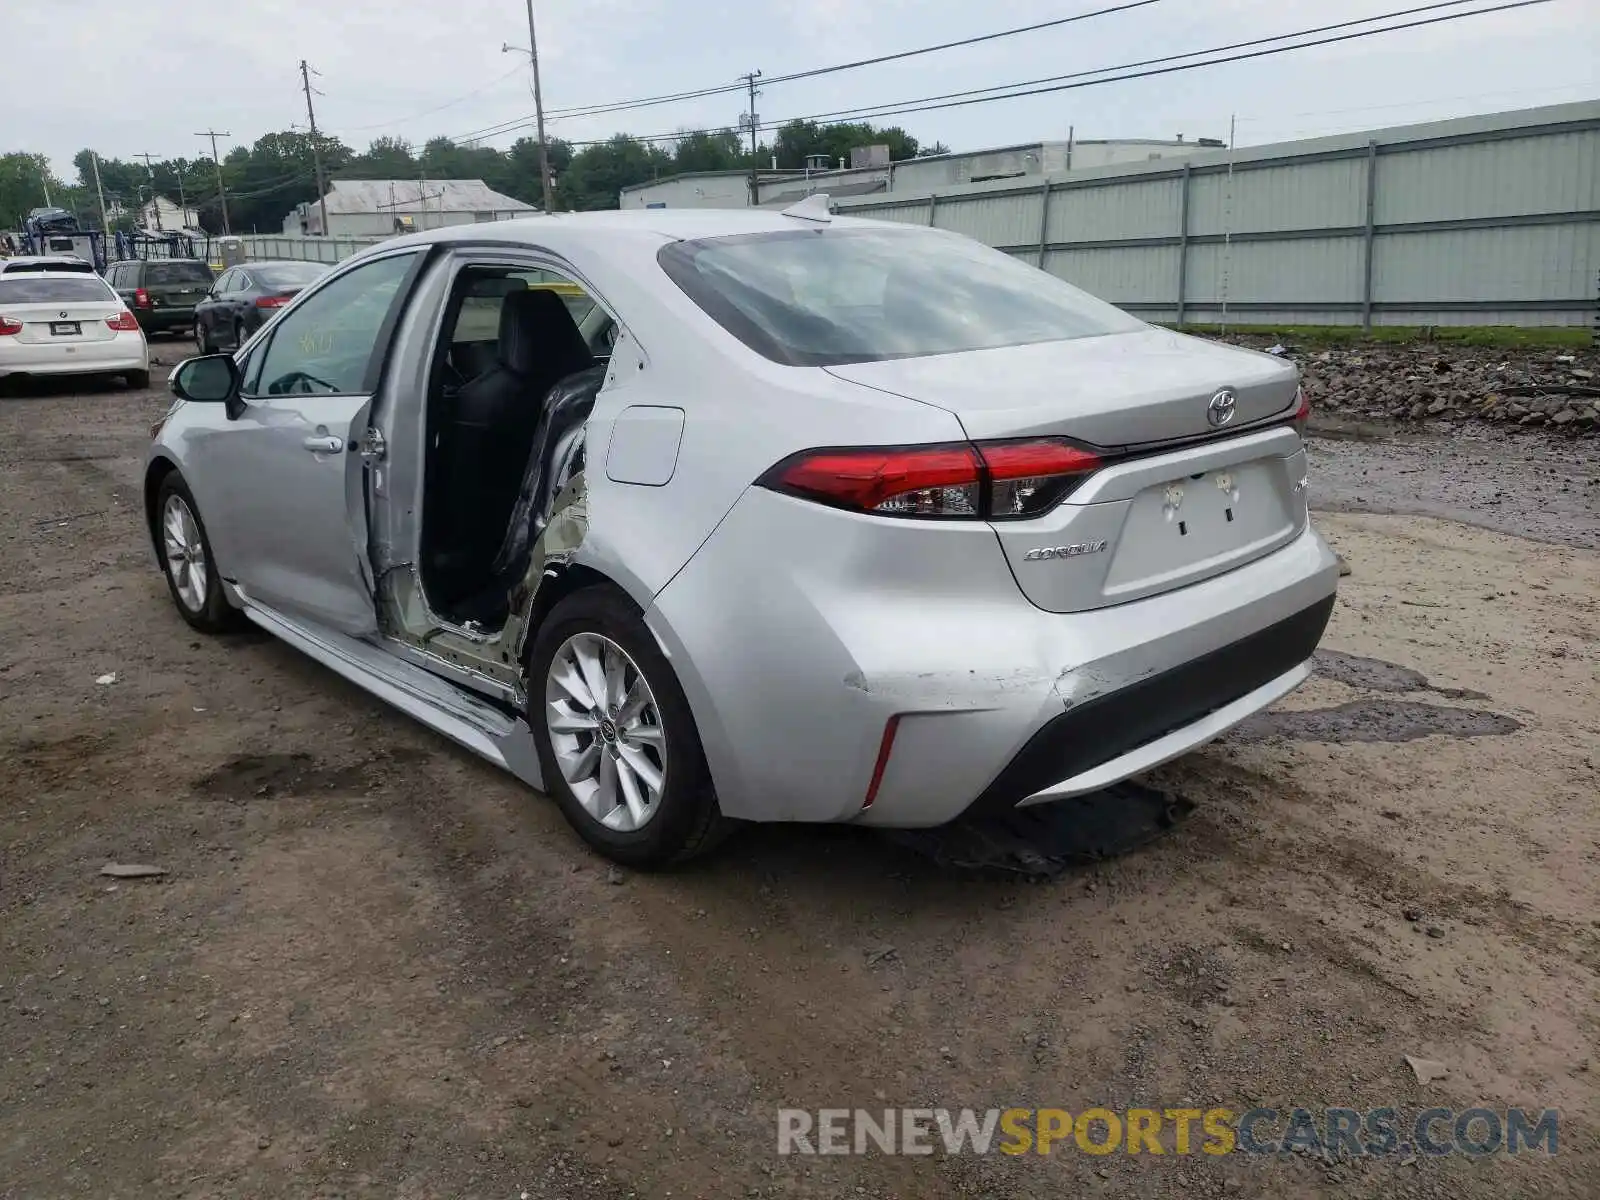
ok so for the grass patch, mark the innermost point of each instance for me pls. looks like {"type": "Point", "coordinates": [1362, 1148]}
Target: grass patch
{"type": "Point", "coordinates": [1571, 337]}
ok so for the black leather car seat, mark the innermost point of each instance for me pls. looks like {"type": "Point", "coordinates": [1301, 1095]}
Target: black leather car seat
{"type": "Point", "coordinates": [555, 456]}
{"type": "Point", "coordinates": [488, 432]}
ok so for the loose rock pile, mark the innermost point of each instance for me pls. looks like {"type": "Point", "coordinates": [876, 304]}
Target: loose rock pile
{"type": "Point", "coordinates": [1553, 387]}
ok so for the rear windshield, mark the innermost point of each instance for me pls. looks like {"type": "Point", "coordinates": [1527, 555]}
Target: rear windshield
{"type": "Point", "coordinates": [281, 275]}
{"type": "Point", "coordinates": [55, 264]}
{"type": "Point", "coordinates": [822, 297]}
{"type": "Point", "coordinates": [52, 289]}
{"type": "Point", "coordinates": [176, 272]}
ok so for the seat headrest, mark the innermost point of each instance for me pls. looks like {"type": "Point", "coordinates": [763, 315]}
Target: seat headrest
{"type": "Point", "coordinates": [539, 336]}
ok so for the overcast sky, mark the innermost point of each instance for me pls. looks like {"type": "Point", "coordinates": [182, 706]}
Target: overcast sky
{"type": "Point", "coordinates": [128, 78]}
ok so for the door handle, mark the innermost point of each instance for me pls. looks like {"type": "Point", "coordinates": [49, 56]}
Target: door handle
{"type": "Point", "coordinates": [324, 445]}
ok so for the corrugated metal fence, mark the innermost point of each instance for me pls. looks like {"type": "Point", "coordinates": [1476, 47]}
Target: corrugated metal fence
{"type": "Point", "coordinates": [1480, 221]}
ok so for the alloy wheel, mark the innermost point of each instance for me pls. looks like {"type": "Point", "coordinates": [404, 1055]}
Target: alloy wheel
{"type": "Point", "coordinates": [185, 553]}
{"type": "Point", "coordinates": [606, 731]}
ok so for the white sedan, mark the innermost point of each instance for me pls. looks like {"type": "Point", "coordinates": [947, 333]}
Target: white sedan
{"type": "Point", "coordinates": [59, 323]}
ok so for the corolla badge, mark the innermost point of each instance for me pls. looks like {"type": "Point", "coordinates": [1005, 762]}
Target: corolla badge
{"type": "Point", "coordinates": [1072, 551]}
{"type": "Point", "coordinates": [1221, 409]}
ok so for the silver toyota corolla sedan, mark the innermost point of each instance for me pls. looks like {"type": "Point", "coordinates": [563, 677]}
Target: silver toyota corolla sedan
{"type": "Point", "coordinates": [690, 518]}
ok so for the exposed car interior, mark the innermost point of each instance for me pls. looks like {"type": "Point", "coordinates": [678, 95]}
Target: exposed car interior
{"type": "Point", "coordinates": [515, 377]}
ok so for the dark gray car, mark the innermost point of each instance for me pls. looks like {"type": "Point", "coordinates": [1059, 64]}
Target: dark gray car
{"type": "Point", "coordinates": [245, 297]}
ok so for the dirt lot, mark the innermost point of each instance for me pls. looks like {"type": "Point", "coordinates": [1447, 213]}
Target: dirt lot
{"type": "Point", "coordinates": [380, 968]}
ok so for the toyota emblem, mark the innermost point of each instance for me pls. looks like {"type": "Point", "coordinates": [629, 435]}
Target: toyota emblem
{"type": "Point", "coordinates": [1220, 411]}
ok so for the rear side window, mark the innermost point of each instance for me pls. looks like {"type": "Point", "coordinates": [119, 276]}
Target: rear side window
{"type": "Point", "coordinates": [824, 297]}
{"type": "Point", "coordinates": [176, 272]}
{"type": "Point", "coordinates": [42, 289]}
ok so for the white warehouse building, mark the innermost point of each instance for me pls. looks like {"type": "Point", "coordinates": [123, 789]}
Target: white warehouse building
{"type": "Point", "coordinates": [382, 207]}
{"type": "Point", "coordinates": [731, 189]}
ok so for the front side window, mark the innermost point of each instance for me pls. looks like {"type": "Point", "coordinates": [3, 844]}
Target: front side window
{"type": "Point", "coordinates": [327, 344]}
{"type": "Point", "coordinates": [824, 297]}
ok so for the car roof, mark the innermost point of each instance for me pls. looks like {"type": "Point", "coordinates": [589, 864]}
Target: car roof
{"type": "Point", "coordinates": [659, 224]}
{"type": "Point", "coordinates": [62, 275]}
{"type": "Point", "coordinates": [28, 260]}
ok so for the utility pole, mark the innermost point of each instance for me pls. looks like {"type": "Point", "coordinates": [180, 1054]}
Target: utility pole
{"type": "Point", "coordinates": [105, 220]}
{"type": "Point", "coordinates": [316, 144]}
{"type": "Point", "coordinates": [538, 117]}
{"type": "Point", "coordinates": [222, 192]}
{"type": "Point", "coordinates": [155, 200]}
{"type": "Point", "coordinates": [753, 119]}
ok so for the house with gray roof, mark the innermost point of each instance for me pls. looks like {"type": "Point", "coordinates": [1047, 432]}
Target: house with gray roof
{"type": "Point", "coordinates": [381, 207]}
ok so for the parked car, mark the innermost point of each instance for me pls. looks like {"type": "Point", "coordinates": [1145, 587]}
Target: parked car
{"type": "Point", "coordinates": [845, 521]}
{"type": "Point", "coordinates": [68, 323]}
{"type": "Point", "coordinates": [53, 263]}
{"type": "Point", "coordinates": [243, 298]}
{"type": "Point", "coordinates": [161, 292]}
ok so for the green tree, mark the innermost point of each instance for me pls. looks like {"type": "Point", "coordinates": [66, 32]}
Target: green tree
{"type": "Point", "coordinates": [24, 179]}
{"type": "Point", "coordinates": [598, 173]}
{"type": "Point", "coordinates": [720, 151]}
{"type": "Point", "coordinates": [384, 158]}
{"type": "Point", "coordinates": [799, 140]}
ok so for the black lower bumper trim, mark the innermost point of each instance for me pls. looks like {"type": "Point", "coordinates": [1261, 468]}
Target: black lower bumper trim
{"type": "Point", "coordinates": [1109, 726]}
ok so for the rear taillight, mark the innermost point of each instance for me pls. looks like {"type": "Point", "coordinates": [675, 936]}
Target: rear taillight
{"type": "Point", "coordinates": [271, 301]}
{"type": "Point", "coordinates": [123, 322]}
{"type": "Point", "coordinates": [141, 298]}
{"type": "Point", "coordinates": [1302, 411]}
{"type": "Point", "coordinates": [8, 327]}
{"type": "Point", "coordinates": [957, 480]}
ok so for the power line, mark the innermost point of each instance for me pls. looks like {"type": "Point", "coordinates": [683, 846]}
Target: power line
{"type": "Point", "coordinates": [869, 110]}
{"type": "Point", "coordinates": [427, 112]}
{"type": "Point", "coordinates": [897, 108]}
{"type": "Point", "coordinates": [586, 110]}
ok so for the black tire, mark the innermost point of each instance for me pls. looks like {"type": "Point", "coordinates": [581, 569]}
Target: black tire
{"type": "Point", "coordinates": [215, 615]}
{"type": "Point", "coordinates": [687, 821]}
{"type": "Point", "coordinates": [137, 380]}
{"type": "Point", "coordinates": [202, 338]}
{"type": "Point", "coordinates": [238, 335]}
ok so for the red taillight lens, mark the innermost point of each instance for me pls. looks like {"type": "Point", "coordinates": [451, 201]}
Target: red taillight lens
{"type": "Point", "coordinates": [1302, 411]}
{"type": "Point", "coordinates": [992, 480]}
{"type": "Point", "coordinates": [141, 298]}
{"type": "Point", "coordinates": [935, 481]}
{"type": "Point", "coordinates": [271, 301]}
{"type": "Point", "coordinates": [8, 327]}
{"type": "Point", "coordinates": [1029, 477]}
{"type": "Point", "coordinates": [123, 322]}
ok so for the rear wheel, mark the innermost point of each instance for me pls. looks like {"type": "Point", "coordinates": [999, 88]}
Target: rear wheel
{"type": "Point", "coordinates": [186, 561]}
{"type": "Point", "coordinates": [617, 743]}
{"type": "Point", "coordinates": [137, 380]}
{"type": "Point", "coordinates": [238, 334]}
{"type": "Point", "coordinates": [202, 337]}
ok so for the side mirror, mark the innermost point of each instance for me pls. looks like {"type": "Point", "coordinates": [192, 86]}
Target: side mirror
{"type": "Point", "coordinates": [208, 379]}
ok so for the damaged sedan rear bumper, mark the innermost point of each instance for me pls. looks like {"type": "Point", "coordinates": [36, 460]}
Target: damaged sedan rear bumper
{"type": "Point", "coordinates": [840, 689]}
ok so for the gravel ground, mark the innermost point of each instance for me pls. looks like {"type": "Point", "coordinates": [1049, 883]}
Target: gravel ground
{"type": "Point", "coordinates": [377, 967]}
{"type": "Point", "coordinates": [1444, 384]}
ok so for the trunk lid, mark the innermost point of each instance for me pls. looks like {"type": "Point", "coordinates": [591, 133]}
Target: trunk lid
{"type": "Point", "coordinates": [1155, 517]}
{"type": "Point", "coordinates": [69, 321]}
{"type": "Point", "coordinates": [1123, 389]}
